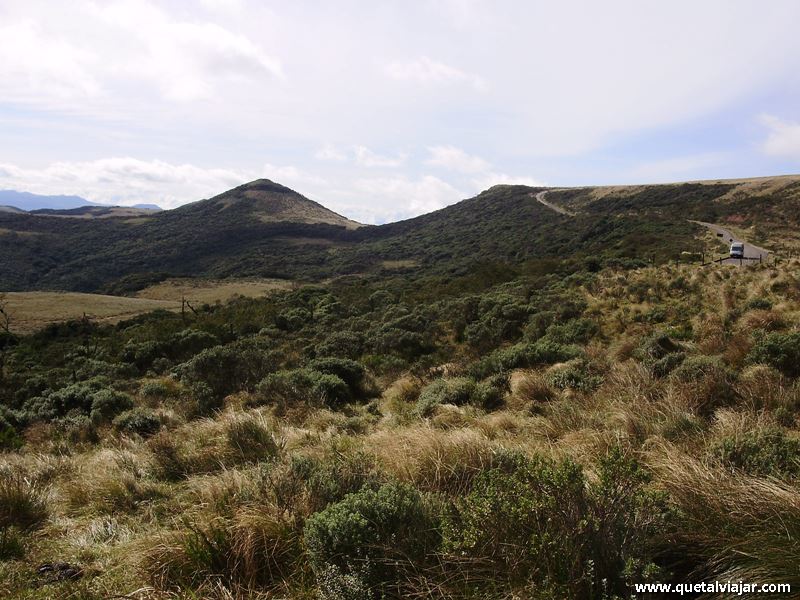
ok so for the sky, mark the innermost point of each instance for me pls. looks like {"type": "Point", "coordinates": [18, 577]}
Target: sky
{"type": "Point", "coordinates": [386, 110]}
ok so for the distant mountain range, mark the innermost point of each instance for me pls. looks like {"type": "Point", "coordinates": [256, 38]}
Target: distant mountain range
{"type": "Point", "coordinates": [264, 229]}
{"type": "Point", "coordinates": [26, 201]}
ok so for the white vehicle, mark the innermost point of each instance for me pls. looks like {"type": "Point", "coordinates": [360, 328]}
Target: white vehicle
{"type": "Point", "coordinates": [737, 250]}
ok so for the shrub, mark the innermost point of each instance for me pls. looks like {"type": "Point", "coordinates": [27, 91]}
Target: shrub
{"type": "Point", "coordinates": [575, 376]}
{"type": "Point", "coordinates": [459, 391]}
{"type": "Point", "coordinates": [656, 347]}
{"type": "Point", "coordinates": [106, 404]}
{"type": "Point", "coordinates": [575, 331]}
{"type": "Point", "coordinates": [706, 383]}
{"type": "Point", "coordinates": [77, 429]}
{"type": "Point", "coordinates": [9, 436]}
{"type": "Point", "coordinates": [331, 478]}
{"type": "Point", "coordinates": [666, 364]}
{"type": "Point", "coordinates": [345, 344]}
{"type": "Point", "coordinates": [202, 400]}
{"type": "Point", "coordinates": [778, 350]}
{"type": "Point", "coordinates": [155, 389]}
{"type": "Point", "coordinates": [77, 396]}
{"type": "Point", "coordinates": [372, 528]}
{"type": "Point", "coordinates": [764, 453]}
{"type": "Point", "coordinates": [759, 304]}
{"type": "Point", "coordinates": [293, 319]}
{"type": "Point", "coordinates": [539, 521]}
{"type": "Point", "coordinates": [303, 386]}
{"type": "Point", "coordinates": [141, 421]}
{"type": "Point", "coordinates": [230, 368]}
{"type": "Point", "coordinates": [189, 342]}
{"type": "Point", "coordinates": [524, 355]}
{"type": "Point", "coordinates": [349, 371]}
{"type": "Point", "coordinates": [489, 394]}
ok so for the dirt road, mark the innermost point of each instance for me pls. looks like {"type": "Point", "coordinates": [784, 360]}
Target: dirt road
{"type": "Point", "coordinates": [540, 198]}
{"type": "Point", "coordinates": [751, 251]}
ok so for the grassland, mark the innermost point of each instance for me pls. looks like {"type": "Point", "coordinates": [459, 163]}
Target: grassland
{"type": "Point", "coordinates": [543, 436]}
{"type": "Point", "coordinates": [209, 291]}
{"type": "Point", "coordinates": [31, 311]}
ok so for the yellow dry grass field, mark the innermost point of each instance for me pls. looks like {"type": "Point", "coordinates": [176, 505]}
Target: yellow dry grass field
{"type": "Point", "coordinates": [210, 290]}
{"type": "Point", "coordinates": [31, 311]}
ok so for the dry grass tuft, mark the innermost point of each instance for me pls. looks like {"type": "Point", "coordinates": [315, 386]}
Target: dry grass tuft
{"type": "Point", "coordinates": [733, 527]}
{"type": "Point", "coordinates": [431, 459]}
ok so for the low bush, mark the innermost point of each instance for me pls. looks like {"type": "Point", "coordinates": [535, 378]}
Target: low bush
{"type": "Point", "coordinates": [141, 421]}
{"type": "Point", "coordinates": [655, 347]}
{"type": "Point", "coordinates": [575, 331]}
{"type": "Point", "coordinates": [764, 453]}
{"type": "Point", "coordinates": [666, 364]}
{"type": "Point", "coordinates": [576, 376]}
{"type": "Point", "coordinates": [524, 355]}
{"type": "Point", "coordinates": [327, 480]}
{"type": "Point", "coordinates": [343, 344]}
{"type": "Point", "coordinates": [106, 404]}
{"type": "Point", "coordinates": [351, 372]}
{"type": "Point", "coordinates": [157, 389]}
{"type": "Point", "coordinates": [486, 394]}
{"type": "Point", "coordinates": [535, 521]}
{"type": "Point", "coordinates": [9, 434]}
{"type": "Point", "coordinates": [778, 350]}
{"type": "Point", "coordinates": [706, 383]}
{"type": "Point", "coordinates": [374, 531]}
{"type": "Point", "coordinates": [230, 368]}
{"type": "Point", "coordinates": [303, 386]}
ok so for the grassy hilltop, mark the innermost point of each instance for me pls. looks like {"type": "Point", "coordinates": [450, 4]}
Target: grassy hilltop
{"type": "Point", "coordinates": [491, 401]}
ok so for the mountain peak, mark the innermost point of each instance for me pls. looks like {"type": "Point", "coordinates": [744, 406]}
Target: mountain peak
{"type": "Point", "coordinates": [272, 202]}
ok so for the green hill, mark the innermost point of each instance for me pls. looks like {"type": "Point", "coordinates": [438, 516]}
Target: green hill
{"type": "Point", "coordinates": [263, 229]}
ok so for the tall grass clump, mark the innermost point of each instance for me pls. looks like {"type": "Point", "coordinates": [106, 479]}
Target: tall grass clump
{"type": "Point", "coordinates": [732, 526]}
{"type": "Point", "coordinates": [23, 506]}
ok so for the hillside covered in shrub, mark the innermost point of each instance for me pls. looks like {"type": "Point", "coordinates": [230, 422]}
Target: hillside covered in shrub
{"type": "Point", "coordinates": [526, 432]}
{"type": "Point", "coordinates": [263, 229]}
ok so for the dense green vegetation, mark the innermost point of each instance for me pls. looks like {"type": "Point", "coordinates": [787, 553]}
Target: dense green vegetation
{"type": "Point", "coordinates": [544, 435]}
{"type": "Point", "coordinates": [502, 230]}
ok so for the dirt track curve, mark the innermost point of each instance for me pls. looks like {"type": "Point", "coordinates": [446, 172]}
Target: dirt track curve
{"type": "Point", "coordinates": [540, 198]}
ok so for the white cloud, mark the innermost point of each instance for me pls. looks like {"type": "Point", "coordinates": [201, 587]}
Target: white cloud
{"type": "Point", "coordinates": [289, 175]}
{"type": "Point", "coordinates": [38, 68]}
{"type": "Point", "coordinates": [783, 139]}
{"type": "Point", "coordinates": [330, 152]}
{"type": "Point", "coordinates": [450, 157]}
{"type": "Point", "coordinates": [124, 181]}
{"type": "Point", "coordinates": [426, 71]}
{"type": "Point", "coordinates": [186, 60]}
{"type": "Point", "coordinates": [240, 82]}
{"type": "Point", "coordinates": [125, 49]}
{"type": "Point", "coordinates": [675, 168]}
{"type": "Point", "coordinates": [224, 6]}
{"type": "Point", "coordinates": [385, 199]}
{"type": "Point", "coordinates": [367, 158]}
{"type": "Point", "coordinates": [490, 179]}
